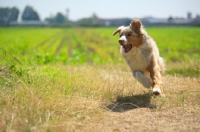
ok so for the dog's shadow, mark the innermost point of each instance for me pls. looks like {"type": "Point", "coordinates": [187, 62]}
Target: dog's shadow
{"type": "Point", "coordinates": [125, 103]}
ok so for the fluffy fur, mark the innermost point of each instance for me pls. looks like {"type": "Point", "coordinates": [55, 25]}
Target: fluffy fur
{"type": "Point", "coordinates": [142, 55]}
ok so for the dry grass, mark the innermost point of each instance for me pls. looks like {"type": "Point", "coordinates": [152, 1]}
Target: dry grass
{"type": "Point", "coordinates": [95, 98]}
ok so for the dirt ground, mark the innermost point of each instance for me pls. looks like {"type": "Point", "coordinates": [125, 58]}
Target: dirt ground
{"type": "Point", "coordinates": [144, 119]}
{"type": "Point", "coordinates": [179, 111]}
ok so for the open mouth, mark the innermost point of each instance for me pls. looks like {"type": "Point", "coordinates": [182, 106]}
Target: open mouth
{"type": "Point", "coordinates": [127, 47]}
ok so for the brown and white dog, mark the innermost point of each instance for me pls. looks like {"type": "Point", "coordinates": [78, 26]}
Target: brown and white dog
{"type": "Point", "coordinates": [142, 55]}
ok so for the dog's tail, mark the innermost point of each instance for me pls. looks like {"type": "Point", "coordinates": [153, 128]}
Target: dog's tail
{"type": "Point", "coordinates": [161, 63]}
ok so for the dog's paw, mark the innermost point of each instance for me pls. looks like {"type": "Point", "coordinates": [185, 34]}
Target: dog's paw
{"type": "Point", "coordinates": [157, 92]}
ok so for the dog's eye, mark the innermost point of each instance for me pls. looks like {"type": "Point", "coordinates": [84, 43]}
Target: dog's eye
{"type": "Point", "coordinates": [129, 34]}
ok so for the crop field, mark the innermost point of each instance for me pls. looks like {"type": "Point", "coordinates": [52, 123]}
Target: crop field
{"type": "Point", "coordinates": [74, 79]}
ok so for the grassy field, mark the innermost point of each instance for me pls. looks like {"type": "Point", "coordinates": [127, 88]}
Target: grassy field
{"type": "Point", "coordinates": [74, 79]}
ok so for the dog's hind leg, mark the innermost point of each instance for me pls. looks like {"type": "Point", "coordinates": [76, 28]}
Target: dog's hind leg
{"type": "Point", "coordinates": [155, 73]}
{"type": "Point", "coordinates": [142, 79]}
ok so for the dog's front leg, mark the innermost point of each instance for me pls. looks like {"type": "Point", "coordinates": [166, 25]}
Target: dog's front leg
{"type": "Point", "coordinates": [155, 73]}
{"type": "Point", "coordinates": [141, 78]}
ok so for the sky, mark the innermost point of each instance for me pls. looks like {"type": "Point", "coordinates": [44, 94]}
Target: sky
{"type": "Point", "coordinates": [109, 8]}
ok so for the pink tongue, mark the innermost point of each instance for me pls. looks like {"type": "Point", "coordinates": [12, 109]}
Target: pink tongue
{"type": "Point", "coordinates": [127, 48]}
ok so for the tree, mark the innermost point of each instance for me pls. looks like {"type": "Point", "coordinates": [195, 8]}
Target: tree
{"type": "Point", "coordinates": [8, 14]}
{"type": "Point", "coordinates": [30, 14]}
{"type": "Point", "coordinates": [14, 12]}
{"type": "Point", "coordinates": [170, 19]}
{"type": "Point", "coordinates": [50, 20]}
{"type": "Point", "coordinates": [60, 18]}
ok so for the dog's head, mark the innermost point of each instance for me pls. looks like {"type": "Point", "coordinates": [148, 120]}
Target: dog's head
{"type": "Point", "coordinates": [130, 36]}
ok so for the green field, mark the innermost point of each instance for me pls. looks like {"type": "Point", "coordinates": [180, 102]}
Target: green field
{"type": "Point", "coordinates": [68, 79]}
{"type": "Point", "coordinates": [92, 45]}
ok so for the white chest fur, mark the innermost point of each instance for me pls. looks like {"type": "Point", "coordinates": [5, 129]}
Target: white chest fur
{"type": "Point", "coordinates": [137, 58]}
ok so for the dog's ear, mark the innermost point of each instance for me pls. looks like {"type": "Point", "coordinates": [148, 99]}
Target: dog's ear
{"type": "Point", "coordinates": [136, 26]}
{"type": "Point", "coordinates": [118, 30]}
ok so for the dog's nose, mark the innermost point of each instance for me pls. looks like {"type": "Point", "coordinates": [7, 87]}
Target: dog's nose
{"type": "Point", "coordinates": [121, 42]}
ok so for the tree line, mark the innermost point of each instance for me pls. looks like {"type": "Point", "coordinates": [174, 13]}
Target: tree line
{"type": "Point", "coordinates": [8, 15]}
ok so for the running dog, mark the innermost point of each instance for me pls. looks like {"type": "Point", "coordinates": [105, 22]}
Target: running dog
{"type": "Point", "coordinates": [142, 55]}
